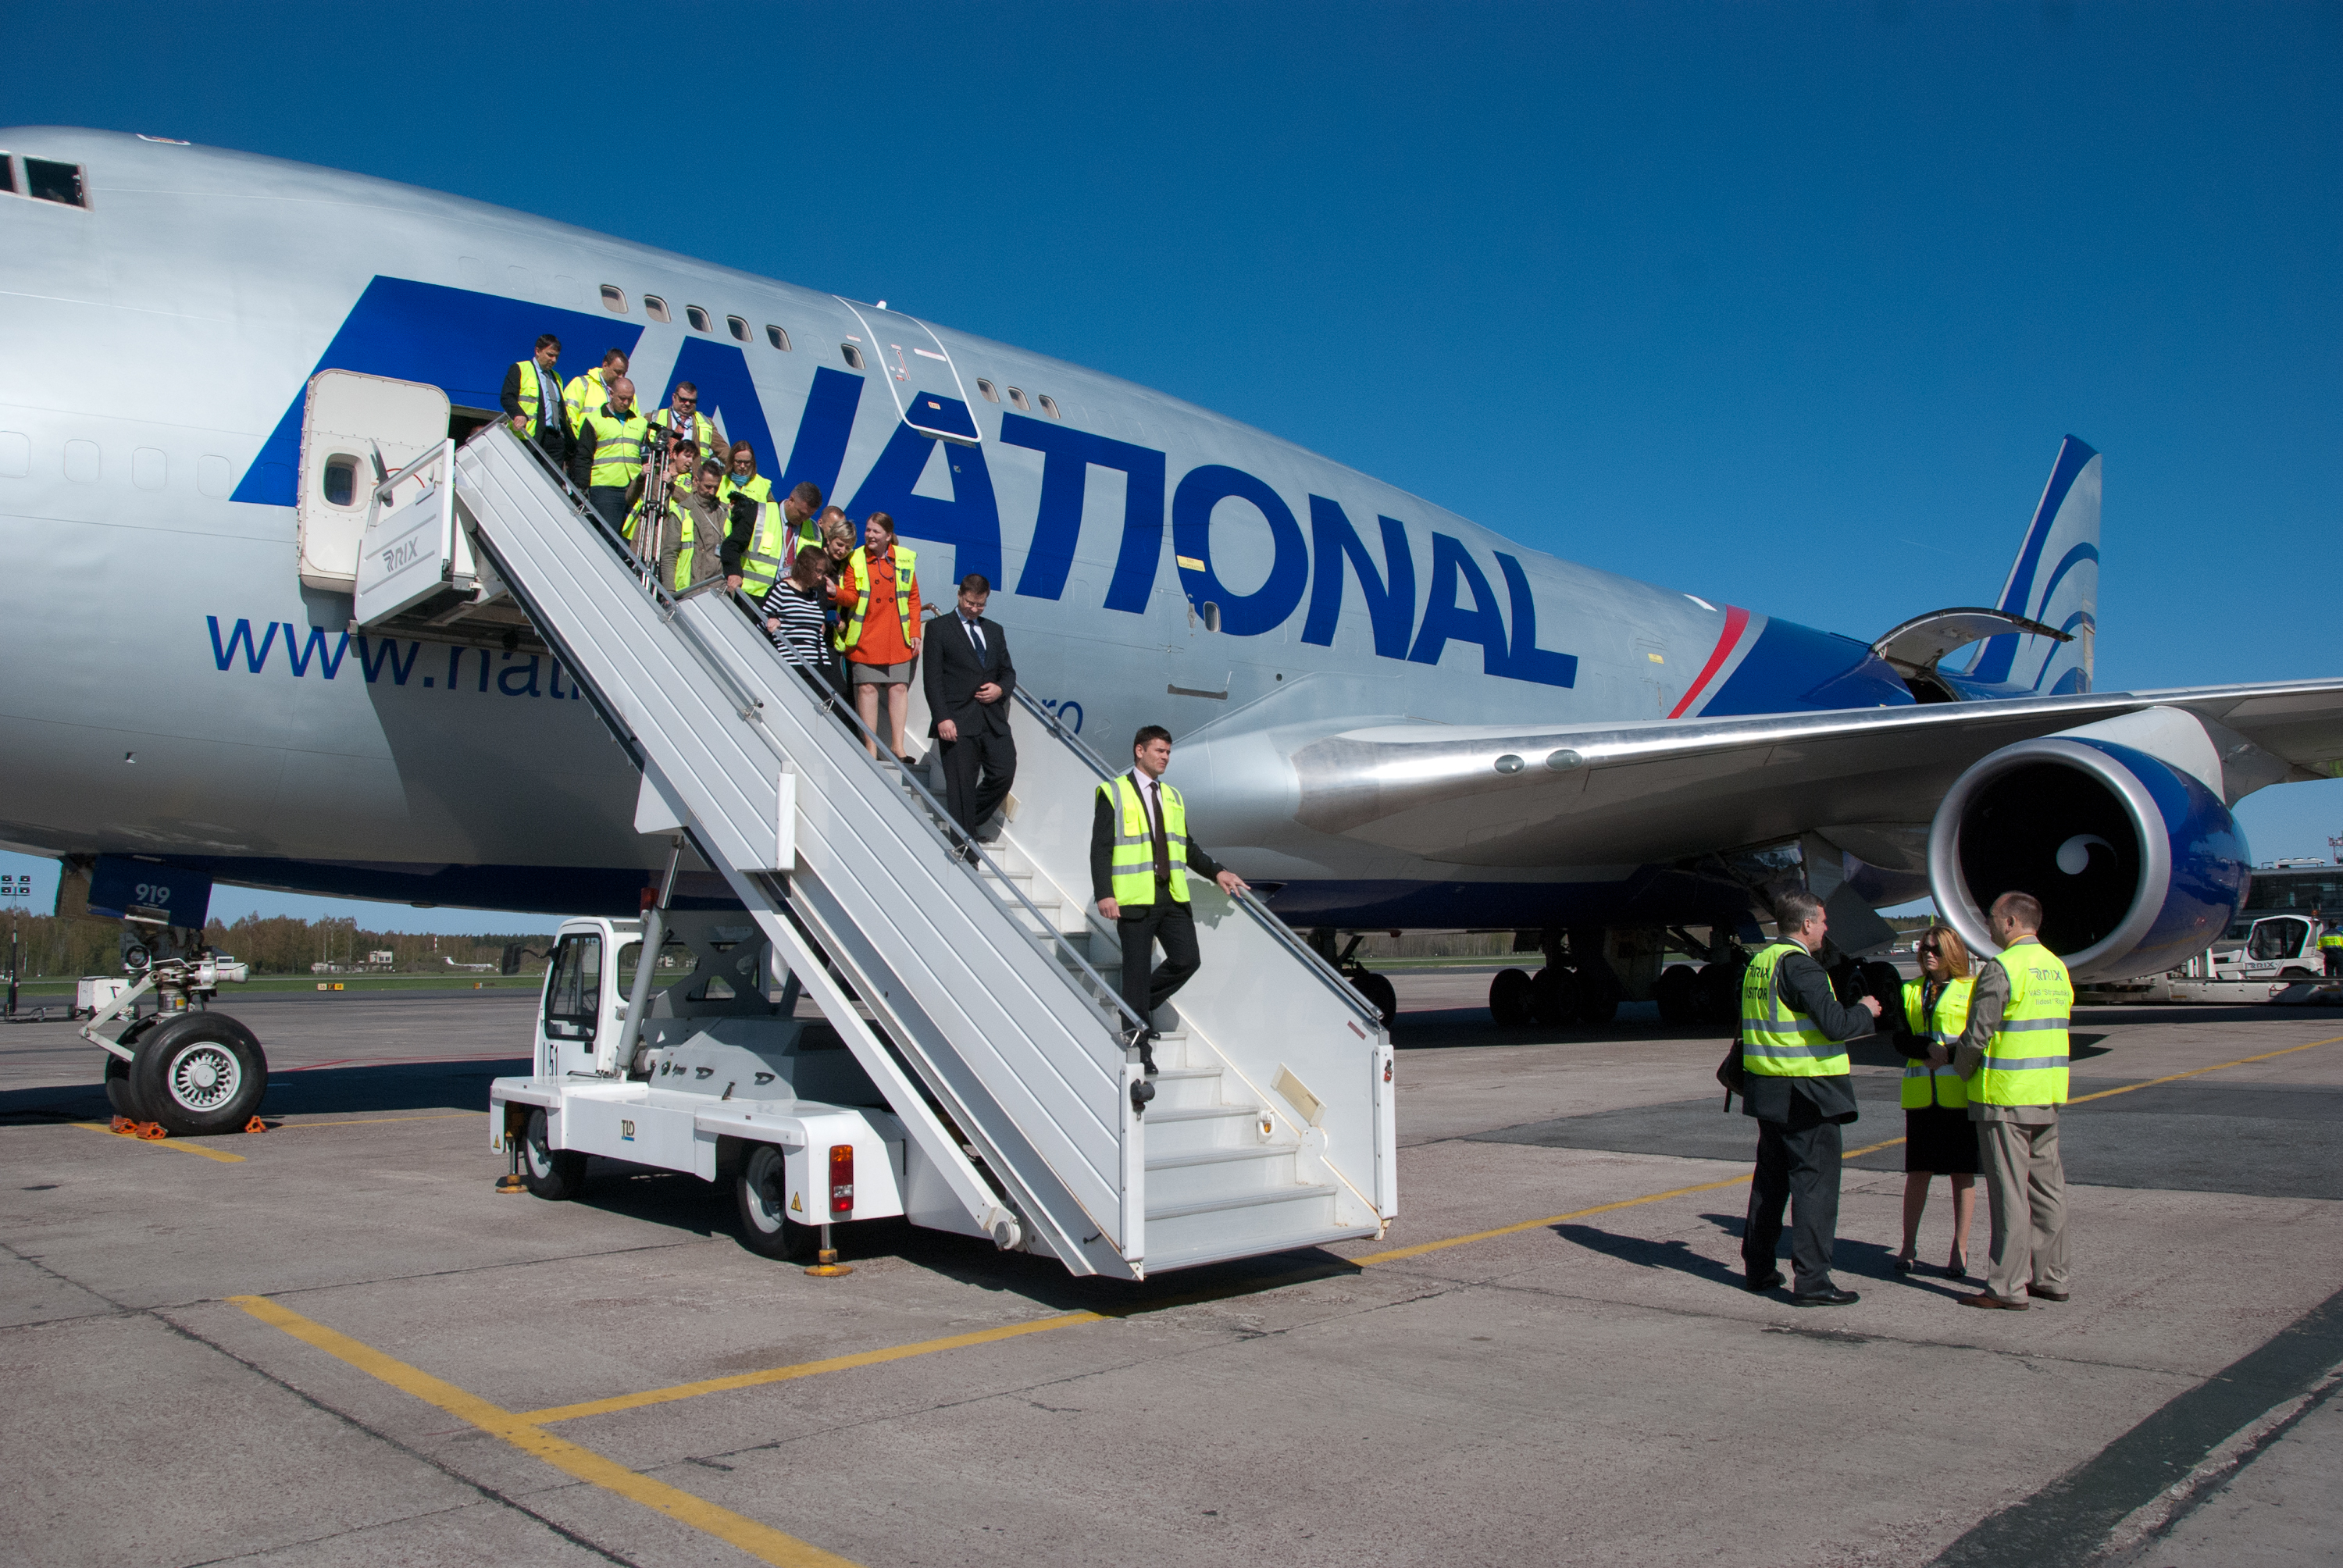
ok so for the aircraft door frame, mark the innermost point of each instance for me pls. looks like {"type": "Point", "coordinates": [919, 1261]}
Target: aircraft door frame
{"type": "Point", "coordinates": [904, 353]}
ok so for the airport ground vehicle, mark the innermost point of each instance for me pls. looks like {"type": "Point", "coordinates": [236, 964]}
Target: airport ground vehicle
{"type": "Point", "coordinates": [2277, 947]}
{"type": "Point", "coordinates": [984, 1080]}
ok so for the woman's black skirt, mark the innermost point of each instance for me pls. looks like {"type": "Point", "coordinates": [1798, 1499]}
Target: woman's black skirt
{"type": "Point", "coordinates": [1940, 1141]}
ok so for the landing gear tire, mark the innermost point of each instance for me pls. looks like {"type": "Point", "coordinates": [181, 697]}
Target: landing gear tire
{"type": "Point", "coordinates": [1678, 993]}
{"type": "Point", "coordinates": [1378, 990]}
{"type": "Point", "coordinates": [197, 1074]}
{"type": "Point", "coordinates": [556, 1174]}
{"type": "Point", "coordinates": [761, 1193]}
{"type": "Point", "coordinates": [1720, 993]}
{"type": "Point", "coordinates": [1509, 997]}
{"type": "Point", "coordinates": [1554, 997]}
{"type": "Point", "coordinates": [119, 1092]}
{"type": "Point", "coordinates": [1597, 1004]}
{"type": "Point", "coordinates": [1885, 981]}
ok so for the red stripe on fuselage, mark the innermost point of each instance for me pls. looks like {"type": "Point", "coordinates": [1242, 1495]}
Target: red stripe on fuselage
{"type": "Point", "coordinates": [1736, 621]}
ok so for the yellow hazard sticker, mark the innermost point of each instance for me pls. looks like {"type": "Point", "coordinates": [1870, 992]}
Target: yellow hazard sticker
{"type": "Point", "coordinates": [795, 1207]}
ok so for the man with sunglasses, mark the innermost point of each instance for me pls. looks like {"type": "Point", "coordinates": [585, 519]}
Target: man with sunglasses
{"type": "Point", "coordinates": [683, 421]}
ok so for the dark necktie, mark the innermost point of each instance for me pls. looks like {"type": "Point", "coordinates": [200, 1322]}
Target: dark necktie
{"type": "Point", "coordinates": [1163, 840]}
{"type": "Point", "coordinates": [976, 637]}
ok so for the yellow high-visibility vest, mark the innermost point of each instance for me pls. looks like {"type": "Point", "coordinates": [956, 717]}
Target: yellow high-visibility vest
{"type": "Point", "coordinates": [529, 396]}
{"type": "Point", "coordinates": [677, 509]}
{"type": "Point", "coordinates": [773, 549]}
{"type": "Point", "coordinates": [586, 395]}
{"type": "Point", "coordinates": [618, 446]}
{"type": "Point", "coordinates": [759, 489]}
{"type": "Point", "coordinates": [2026, 1060]}
{"type": "Point", "coordinates": [1925, 1086]}
{"type": "Point", "coordinates": [858, 563]}
{"type": "Point", "coordinates": [1776, 1040]}
{"type": "Point", "coordinates": [1133, 865]}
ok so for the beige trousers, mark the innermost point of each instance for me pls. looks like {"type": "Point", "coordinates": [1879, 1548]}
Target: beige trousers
{"type": "Point", "coordinates": [2027, 1191]}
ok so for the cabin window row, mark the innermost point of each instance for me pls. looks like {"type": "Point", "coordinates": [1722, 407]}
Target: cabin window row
{"type": "Point", "coordinates": [42, 179]}
{"type": "Point", "coordinates": [614, 300]}
{"type": "Point", "coordinates": [85, 464]}
{"type": "Point", "coordinates": [1016, 398]}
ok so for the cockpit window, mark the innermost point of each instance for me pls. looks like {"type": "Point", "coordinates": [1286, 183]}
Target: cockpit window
{"type": "Point", "coordinates": [47, 181]}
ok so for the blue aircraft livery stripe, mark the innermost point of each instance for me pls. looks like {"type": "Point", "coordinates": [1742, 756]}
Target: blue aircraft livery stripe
{"type": "Point", "coordinates": [451, 339]}
{"type": "Point", "coordinates": [1791, 667]}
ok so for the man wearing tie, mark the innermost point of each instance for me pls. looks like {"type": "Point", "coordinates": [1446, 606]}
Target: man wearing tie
{"type": "Point", "coordinates": [1140, 856]}
{"type": "Point", "coordinates": [968, 676]}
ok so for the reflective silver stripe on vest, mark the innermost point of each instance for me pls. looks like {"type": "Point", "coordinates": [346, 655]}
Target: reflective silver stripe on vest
{"type": "Point", "coordinates": [2023, 1063]}
{"type": "Point", "coordinates": [1828, 1048]}
{"type": "Point", "coordinates": [2008, 1027]}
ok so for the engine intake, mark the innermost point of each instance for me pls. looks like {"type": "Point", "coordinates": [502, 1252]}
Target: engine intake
{"type": "Point", "coordinates": [2138, 865]}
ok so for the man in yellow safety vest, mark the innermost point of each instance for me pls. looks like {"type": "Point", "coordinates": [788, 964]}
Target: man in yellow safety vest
{"type": "Point", "coordinates": [532, 401]}
{"type": "Point", "coordinates": [608, 458]}
{"type": "Point", "coordinates": [590, 393]}
{"type": "Point", "coordinates": [2330, 945]}
{"type": "Point", "coordinates": [776, 534]}
{"type": "Point", "coordinates": [683, 421]}
{"type": "Point", "coordinates": [1141, 855]}
{"type": "Point", "coordinates": [1799, 1085]}
{"type": "Point", "coordinates": [2012, 1057]}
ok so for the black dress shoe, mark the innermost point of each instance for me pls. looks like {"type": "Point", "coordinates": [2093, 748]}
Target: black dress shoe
{"type": "Point", "coordinates": [1830, 1298]}
{"type": "Point", "coordinates": [1757, 1286]}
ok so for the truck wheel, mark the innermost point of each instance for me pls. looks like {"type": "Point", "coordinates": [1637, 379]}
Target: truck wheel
{"type": "Point", "coordinates": [546, 1171]}
{"type": "Point", "coordinates": [199, 1073]}
{"type": "Point", "coordinates": [761, 1191]}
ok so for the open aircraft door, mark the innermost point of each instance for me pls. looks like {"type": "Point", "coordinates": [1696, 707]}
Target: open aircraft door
{"type": "Point", "coordinates": [350, 423]}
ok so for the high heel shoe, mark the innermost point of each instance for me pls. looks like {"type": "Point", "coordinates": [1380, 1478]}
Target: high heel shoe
{"type": "Point", "coordinates": [1957, 1268]}
{"type": "Point", "coordinates": [1905, 1263]}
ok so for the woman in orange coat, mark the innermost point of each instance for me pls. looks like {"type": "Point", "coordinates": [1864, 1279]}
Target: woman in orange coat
{"type": "Point", "coordinates": [879, 613]}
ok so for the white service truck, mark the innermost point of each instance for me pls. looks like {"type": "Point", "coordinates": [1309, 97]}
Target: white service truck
{"type": "Point", "coordinates": [2277, 948]}
{"type": "Point", "coordinates": [715, 1079]}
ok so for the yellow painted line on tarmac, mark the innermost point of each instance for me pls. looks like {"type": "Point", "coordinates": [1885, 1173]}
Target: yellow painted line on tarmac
{"type": "Point", "coordinates": [810, 1369]}
{"type": "Point", "coordinates": [1070, 1320]}
{"type": "Point", "coordinates": [762, 1542]}
{"type": "Point", "coordinates": [183, 1145]}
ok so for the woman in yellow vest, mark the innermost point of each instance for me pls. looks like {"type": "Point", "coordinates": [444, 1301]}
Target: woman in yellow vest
{"type": "Point", "coordinates": [879, 597]}
{"type": "Point", "coordinates": [1939, 1139]}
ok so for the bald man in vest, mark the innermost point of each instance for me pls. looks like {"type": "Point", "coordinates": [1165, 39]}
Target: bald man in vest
{"type": "Point", "coordinates": [1141, 855]}
{"type": "Point", "coordinates": [2012, 1059]}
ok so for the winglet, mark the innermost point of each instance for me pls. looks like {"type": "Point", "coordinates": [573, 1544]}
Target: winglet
{"type": "Point", "coordinates": [2055, 580]}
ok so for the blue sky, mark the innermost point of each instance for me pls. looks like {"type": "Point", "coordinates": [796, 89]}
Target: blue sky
{"type": "Point", "coordinates": [1786, 305]}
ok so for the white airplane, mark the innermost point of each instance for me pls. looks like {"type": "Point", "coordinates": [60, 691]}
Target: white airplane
{"type": "Point", "coordinates": [1387, 715]}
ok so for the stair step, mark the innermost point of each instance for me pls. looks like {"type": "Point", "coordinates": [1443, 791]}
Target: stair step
{"type": "Point", "coordinates": [1175, 1250]}
{"type": "Point", "coordinates": [1246, 1201]}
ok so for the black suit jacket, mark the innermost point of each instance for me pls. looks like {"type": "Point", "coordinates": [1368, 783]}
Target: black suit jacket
{"type": "Point", "coordinates": [950, 674]}
{"type": "Point", "coordinates": [1806, 986]}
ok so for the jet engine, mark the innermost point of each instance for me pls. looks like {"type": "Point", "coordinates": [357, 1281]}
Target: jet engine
{"type": "Point", "coordinates": [2118, 828]}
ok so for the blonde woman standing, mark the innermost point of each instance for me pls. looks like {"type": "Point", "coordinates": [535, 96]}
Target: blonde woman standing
{"type": "Point", "coordinates": [1939, 1139]}
{"type": "Point", "coordinates": [878, 600]}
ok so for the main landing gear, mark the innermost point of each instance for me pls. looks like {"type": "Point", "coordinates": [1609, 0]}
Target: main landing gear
{"type": "Point", "coordinates": [1571, 990]}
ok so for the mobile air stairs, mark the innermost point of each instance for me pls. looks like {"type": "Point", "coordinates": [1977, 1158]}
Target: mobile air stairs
{"type": "Point", "coordinates": [975, 985]}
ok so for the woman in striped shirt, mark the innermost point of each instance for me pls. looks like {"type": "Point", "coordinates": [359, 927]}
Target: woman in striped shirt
{"type": "Point", "coordinates": [795, 609]}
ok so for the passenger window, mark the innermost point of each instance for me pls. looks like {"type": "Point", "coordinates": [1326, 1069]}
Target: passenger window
{"type": "Point", "coordinates": [777, 337]}
{"type": "Point", "coordinates": [986, 387]}
{"type": "Point", "coordinates": [853, 355]}
{"type": "Point", "coordinates": [1018, 398]}
{"type": "Point", "coordinates": [46, 181]}
{"type": "Point", "coordinates": [740, 328]}
{"type": "Point", "coordinates": [573, 992]}
{"type": "Point", "coordinates": [213, 475]}
{"type": "Point", "coordinates": [1212, 615]}
{"type": "Point", "coordinates": [341, 480]}
{"type": "Point", "coordinates": [655, 307]}
{"type": "Point", "coordinates": [15, 454]}
{"type": "Point", "coordinates": [149, 468]}
{"type": "Point", "coordinates": [1050, 406]}
{"type": "Point", "coordinates": [614, 299]}
{"type": "Point", "coordinates": [82, 462]}
{"type": "Point", "coordinates": [695, 318]}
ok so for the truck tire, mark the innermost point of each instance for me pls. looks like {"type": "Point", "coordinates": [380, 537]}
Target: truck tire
{"type": "Point", "coordinates": [761, 1193]}
{"type": "Point", "coordinates": [199, 1073]}
{"type": "Point", "coordinates": [553, 1174]}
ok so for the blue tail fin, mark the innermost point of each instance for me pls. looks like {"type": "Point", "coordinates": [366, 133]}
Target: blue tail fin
{"type": "Point", "coordinates": [2054, 580]}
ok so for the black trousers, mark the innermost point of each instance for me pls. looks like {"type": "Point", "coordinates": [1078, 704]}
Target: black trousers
{"type": "Point", "coordinates": [1163, 921]}
{"type": "Point", "coordinates": [2334, 963]}
{"type": "Point", "coordinates": [1798, 1164]}
{"type": "Point", "coordinates": [979, 768]}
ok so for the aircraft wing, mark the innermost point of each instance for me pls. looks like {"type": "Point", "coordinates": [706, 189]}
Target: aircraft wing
{"type": "Point", "coordinates": [1667, 790]}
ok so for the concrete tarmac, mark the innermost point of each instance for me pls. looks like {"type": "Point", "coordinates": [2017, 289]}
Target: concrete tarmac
{"type": "Point", "coordinates": [336, 1344]}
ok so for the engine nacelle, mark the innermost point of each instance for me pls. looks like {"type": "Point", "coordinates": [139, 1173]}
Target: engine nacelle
{"type": "Point", "coordinates": [2118, 828]}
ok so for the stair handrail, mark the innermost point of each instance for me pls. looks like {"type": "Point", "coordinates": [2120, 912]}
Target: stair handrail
{"type": "Point", "coordinates": [751, 708]}
{"type": "Point", "coordinates": [1260, 914]}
